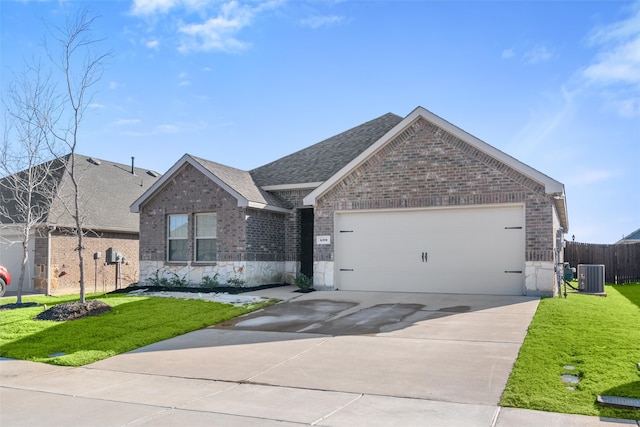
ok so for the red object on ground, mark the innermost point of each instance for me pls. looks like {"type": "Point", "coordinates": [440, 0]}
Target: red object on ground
{"type": "Point", "coordinates": [5, 275]}
{"type": "Point", "coordinates": [5, 280]}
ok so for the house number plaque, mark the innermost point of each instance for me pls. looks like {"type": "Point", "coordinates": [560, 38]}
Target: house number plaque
{"type": "Point", "coordinates": [323, 240]}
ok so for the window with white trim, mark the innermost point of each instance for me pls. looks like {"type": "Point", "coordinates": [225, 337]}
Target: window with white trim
{"type": "Point", "coordinates": [177, 238]}
{"type": "Point", "coordinates": [206, 233]}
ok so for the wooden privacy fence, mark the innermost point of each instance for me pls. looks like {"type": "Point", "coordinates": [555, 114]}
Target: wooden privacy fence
{"type": "Point", "coordinates": [621, 262]}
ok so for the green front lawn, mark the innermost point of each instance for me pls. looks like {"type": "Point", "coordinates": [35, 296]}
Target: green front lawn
{"type": "Point", "coordinates": [133, 322]}
{"type": "Point", "coordinates": [598, 336]}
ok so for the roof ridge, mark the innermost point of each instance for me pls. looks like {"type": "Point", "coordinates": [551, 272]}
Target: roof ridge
{"type": "Point", "coordinates": [361, 125]}
{"type": "Point", "coordinates": [318, 162]}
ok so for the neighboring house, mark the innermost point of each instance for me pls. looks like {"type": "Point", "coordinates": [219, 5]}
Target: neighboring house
{"type": "Point", "coordinates": [410, 204]}
{"type": "Point", "coordinates": [107, 189]}
{"type": "Point", "coordinates": [630, 239]}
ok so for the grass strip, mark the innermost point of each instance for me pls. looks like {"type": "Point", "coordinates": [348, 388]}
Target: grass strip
{"type": "Point", "coordinates": [598, 336]}
{"type": "Point", "coordinates": [132, 323]}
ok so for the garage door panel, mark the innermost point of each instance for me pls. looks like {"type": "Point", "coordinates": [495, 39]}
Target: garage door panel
{"type": "Point", "coordinates": [449, 250]}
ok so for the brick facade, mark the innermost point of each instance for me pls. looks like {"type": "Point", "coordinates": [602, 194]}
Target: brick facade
{"type": "Point", "coordinates": [427, 167]}
{"type": "Point", "coordinates": [190, 192]}
{"type": "Point", "coordinates": [64, 272]}
{"type": "Point", "coordinates": [424, 166]}
{"type": "Point", "coordinates": [292, 226]}
{"type": "Point", "coordinates": [243, 234]}
{"type": "Point", "coordinates": [265, 235]}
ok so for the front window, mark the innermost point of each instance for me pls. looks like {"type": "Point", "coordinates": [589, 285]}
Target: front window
{"type": "Point", "coordinates": [206, 232]}
{"type": "Point", "coordinates": [178, 234]}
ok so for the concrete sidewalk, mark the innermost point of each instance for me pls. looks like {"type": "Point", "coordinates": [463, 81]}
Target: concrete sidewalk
{"type": "Point", "coordinates": [414, 360]}
{"type": "Point", "coordinates": [45, 395]}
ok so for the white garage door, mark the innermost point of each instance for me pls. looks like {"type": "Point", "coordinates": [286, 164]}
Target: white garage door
{"type": "Point", "coordinates": [455, 250]}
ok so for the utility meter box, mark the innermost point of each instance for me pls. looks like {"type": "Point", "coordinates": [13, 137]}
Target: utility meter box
{"type": "Point", "coordinates": [111, 256]}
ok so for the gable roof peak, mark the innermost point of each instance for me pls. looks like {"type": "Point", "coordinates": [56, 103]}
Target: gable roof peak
{"type": "Point", "coordinates": [236, 182]}
{"type": "Point", "coordinates": [552, 187]}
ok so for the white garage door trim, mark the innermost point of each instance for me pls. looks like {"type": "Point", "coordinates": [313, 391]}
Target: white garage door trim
{"type": "Point", "coordinates": [470, 249]}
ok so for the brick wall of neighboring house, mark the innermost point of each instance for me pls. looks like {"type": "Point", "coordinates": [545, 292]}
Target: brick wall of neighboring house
{"type": "Point", "coordinates": [65, 270]}
{"type": "Point", "coordinates": [191, 192]}
{"type": "Point", "coordinates": [425, 167]}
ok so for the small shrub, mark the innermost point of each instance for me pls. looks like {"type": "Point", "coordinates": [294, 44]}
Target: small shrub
{"type": "Point", "coordinates": [210, 282]}
{"type": "Point", "coordinates": [157, 280]}
{"type": "Point", "coordinates": [235, 281]}
{"type": "Point", "coordinates": [177, 281]}
{"type": "Point", "coordinates": [303, 282]}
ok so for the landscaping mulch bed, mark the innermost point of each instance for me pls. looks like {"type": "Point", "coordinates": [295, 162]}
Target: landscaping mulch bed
{"type": "Point", "coordinates": [233, 290]}
{"type": "Point", "coordinates": [74, 310]}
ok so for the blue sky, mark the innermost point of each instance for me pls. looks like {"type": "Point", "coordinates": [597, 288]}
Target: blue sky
{"type": "Point", "coordinates": [555, 84]}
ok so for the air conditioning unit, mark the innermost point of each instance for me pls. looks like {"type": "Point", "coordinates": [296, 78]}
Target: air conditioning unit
{"type": "Point", "coordinates": [591, 278]}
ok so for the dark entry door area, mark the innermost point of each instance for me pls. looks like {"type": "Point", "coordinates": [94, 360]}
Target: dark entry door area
{"type": "Point", "coordinates": [306, 242]}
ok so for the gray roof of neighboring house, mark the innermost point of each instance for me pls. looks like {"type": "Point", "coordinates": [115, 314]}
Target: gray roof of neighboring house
{"type": "Point", "coordinates": [320, 161]}
{"type": "Point", "coordinates": [39, 182]}
{"type": "Point", "coordinates": [242, 182]}
{"type": "Point", "coordinates": [633, 236]}
{"type": "Point", "coordinates": [106, 190]}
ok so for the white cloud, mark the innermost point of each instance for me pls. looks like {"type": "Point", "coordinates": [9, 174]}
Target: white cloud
{"type": "Point", "coordinates": [183, 77]}
{"type": "Point", "coordinates": [619, 57]}
{"type": "Point", "coordinates": [318, 21]}
{"type": "Point", "coordinates": [614, 72]}
{"type": "Point", "coordinates": [218, 33]}
{"type": "Point", "coordinates": [536, 55]}
{"type": "Point", "coordinates": [556, 109]}
{"type": "Point", "coordinates": [629, 107]}
{"type": "Point", "coordinates": [152, 44]}
{"type": "Point", "coordinates": [126, 122]}
{"type": "Point", "coordinates": [508, 53]}
{"type": "Point", "coordinates": [167, 129]}
{"type": "Point", "coordinates": [148, 7]}
{"type": "Point", "coordinates": [203, 25]}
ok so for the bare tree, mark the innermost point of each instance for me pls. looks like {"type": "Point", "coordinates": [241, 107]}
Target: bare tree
{"type": "Point", "coordinates": [28, 183]}
{"type": "Point", "coordinates": [81, 68]}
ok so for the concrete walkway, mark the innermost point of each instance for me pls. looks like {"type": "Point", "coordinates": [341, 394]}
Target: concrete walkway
{"type": "Point", "coordinates": [323, 359]}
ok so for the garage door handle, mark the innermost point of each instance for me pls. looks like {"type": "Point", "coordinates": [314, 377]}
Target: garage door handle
{"type": "Point", "coordinates": [425, 256]}
{"type": "Point", "coordinates": [346, 269]}
{"type": "Point", "coordinates": [513, 271]}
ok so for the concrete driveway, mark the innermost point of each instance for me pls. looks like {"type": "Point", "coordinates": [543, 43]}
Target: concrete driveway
{"type": "Point", "coordinates": [452, 348]}
{"type": "Point", "coordinates": [332, 359]}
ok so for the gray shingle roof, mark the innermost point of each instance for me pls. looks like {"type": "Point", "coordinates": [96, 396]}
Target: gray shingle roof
{"type": "Point", "coordinates": [242, 182]}
{"type": "Point", "coordinates": [633, 236]}
{"type": "Point", "coordinates": [320, 161]}
{"type": "Point", "coordinates": [107, 190]}
{"type": "Point", "coordinates": [310, 165]}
